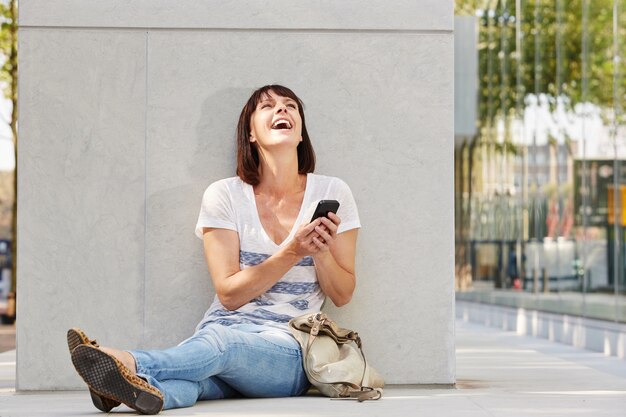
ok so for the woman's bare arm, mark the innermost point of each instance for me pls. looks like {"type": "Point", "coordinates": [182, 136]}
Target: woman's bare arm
{"type": "Point", "coordinates": [335, 261]}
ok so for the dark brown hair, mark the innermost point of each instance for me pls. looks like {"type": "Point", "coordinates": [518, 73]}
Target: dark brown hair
{"type": "Point", "coordinates": [247, 153]}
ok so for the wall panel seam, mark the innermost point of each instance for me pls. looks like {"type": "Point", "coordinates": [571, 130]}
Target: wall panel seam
{"type": "Point", "coordinates": [251, 29]}
{"type": "Point", "coordinates": [145, 191]}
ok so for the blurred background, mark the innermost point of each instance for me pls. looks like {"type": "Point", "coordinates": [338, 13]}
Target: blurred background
{"type": "Point", "coordinates": [8, 172]}
{"type": "Point", "coordinates": [540, 151]}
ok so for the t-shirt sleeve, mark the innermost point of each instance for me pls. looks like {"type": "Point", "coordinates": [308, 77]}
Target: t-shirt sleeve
{"type": "Point", "coordinates": [216, 209]}
{"type": "Point", "coordinates": [347, 212]}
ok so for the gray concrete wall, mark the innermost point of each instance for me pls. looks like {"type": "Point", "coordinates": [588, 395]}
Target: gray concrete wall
{"type": "Point", "coordinates": [128, 111]}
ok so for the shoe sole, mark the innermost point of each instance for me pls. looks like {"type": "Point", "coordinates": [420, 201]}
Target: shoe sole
{"type": "Point", "coordinates": [75, 338]}
{"type": "Point", "coordinates": [107, 377]}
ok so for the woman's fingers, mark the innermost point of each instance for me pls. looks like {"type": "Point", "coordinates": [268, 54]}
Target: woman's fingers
{"type": "Point", "coordinates": [320, 244]}
{"type": "Point", "coordinates": [304, 233]}
{"type": "Point", "coordinates": [329, 225]}
{"type": "Point", "coordinates": [304, 238]}
{"type": "Point", "coordinates": [332, 222]}
{"type": "Point", "coordinates": [334, 218]}
{"type": "Point", "coordinates": [327, 231]}
{"type": "Point", "coordinates": [325, 234]}
{"type": "Point", "coordinates": [311, 226]}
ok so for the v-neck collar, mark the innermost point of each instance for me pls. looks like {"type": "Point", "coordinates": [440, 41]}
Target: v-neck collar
{"type": "Point", "coordinates": [296, 224]}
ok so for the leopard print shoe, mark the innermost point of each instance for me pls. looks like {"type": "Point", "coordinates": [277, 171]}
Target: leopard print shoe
{"type": "Point", "coordinates": [75, 338]}
{"type": "Point", "coordinates": [108, 377]}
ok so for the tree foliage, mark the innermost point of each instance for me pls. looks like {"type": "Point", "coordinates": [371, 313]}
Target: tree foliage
{"type": "Point", "coordinates": [566, 54]}
{"type": "Point", "coordinates": [8, 48]}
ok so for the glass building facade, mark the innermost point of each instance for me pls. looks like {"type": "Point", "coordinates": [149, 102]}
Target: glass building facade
{"type": "Point", "coordinates": [540, 178]}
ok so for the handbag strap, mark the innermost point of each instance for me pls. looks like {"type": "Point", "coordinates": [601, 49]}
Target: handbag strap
{"type": "Point", "coordinates": [364, 394]}
{"type": "Point", "coordinates": [322, 323]}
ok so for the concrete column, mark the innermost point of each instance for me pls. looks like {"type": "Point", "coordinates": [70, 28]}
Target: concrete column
{"type": "Point", "coordinates": [128, 111]}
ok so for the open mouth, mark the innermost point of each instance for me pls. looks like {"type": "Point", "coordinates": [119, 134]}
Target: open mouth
{"type": "Point", "coordinates": [281, 124]}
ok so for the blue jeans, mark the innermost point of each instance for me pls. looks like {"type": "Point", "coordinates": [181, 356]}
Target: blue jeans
{"type": "Point", "coordinates": [225, 362]}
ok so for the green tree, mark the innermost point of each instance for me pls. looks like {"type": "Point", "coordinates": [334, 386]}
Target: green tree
{"type": "Point", "coordinates": [551, 57]}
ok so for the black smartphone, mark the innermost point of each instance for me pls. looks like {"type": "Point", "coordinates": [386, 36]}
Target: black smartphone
{"type": "Point", "coordinates": [324, 207]}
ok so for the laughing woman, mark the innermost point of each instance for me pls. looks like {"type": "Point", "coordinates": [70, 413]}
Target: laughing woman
{"type": "Point", "coordinates": [268, 262]}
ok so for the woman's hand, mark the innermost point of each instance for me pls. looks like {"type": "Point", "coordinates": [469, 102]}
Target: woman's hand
{"type": "Point", "coordinates": [315, 237]}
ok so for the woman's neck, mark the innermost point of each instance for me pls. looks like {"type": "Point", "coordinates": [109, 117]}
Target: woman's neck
{"type": "Point", "coordinates": [278, 180]}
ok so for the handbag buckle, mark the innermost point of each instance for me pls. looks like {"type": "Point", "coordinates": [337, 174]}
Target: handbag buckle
{"type": "Point", "coordinates": [315, 329]}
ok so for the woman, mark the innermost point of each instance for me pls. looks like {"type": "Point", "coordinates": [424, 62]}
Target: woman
{"type": "Point", "coordinates": [268, 264]}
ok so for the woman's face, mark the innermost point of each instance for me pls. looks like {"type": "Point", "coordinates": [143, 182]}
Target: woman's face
{"type": "Point", "coordinates": [275, 121]}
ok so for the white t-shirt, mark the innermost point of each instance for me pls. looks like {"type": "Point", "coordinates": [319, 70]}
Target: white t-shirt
{"type": "Point", "coordinates": [230, 204]}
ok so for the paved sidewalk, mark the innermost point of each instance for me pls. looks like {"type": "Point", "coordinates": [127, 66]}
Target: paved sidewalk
{"type": "Point", "coordinates": [499, 374]}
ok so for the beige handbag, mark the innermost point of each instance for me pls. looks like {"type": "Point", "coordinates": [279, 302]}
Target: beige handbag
{"type": "Point", "coordinates": [330, 361]}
